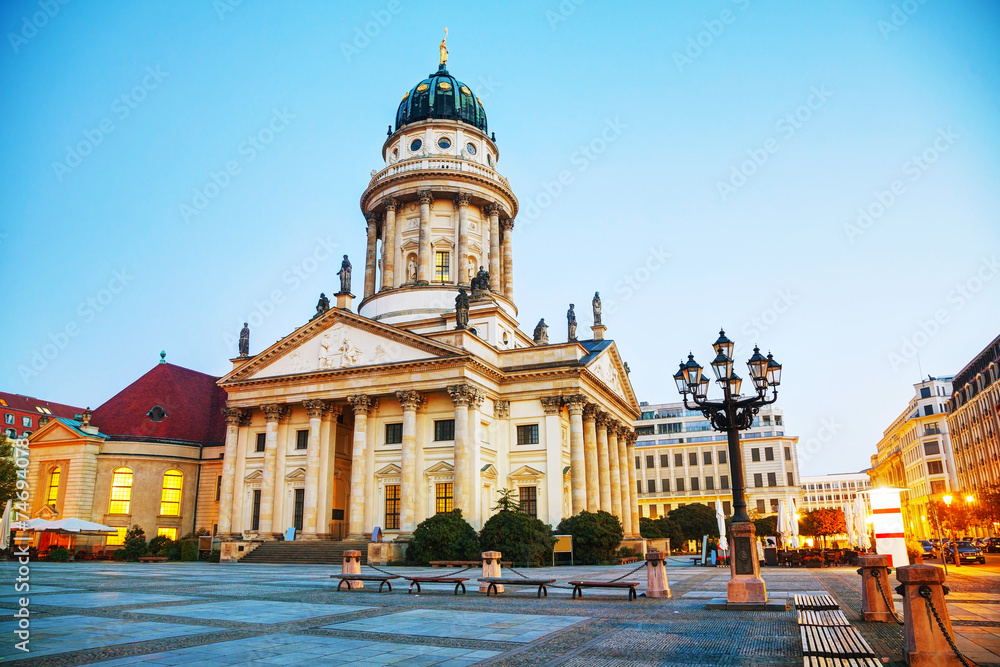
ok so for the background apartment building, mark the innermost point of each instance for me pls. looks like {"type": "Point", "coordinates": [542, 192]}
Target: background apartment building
{"type": "Point", "coordinates": [974, 420]}
{"type": "Point", "coordinates": [833, 491]}
{"type": "Point", "coordinates": [681, 460]}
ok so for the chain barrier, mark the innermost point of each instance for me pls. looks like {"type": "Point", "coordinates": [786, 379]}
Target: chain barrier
{"type": "Point", "coordinates": [557, 585]}
{"type": "Point", "coordinates": [451, 574]}
{"type": "Point", "coordinates": [511, 569]}
{"type": "Point", "coordinates": [925, 592]}
{"type": "Point", "coordinates": [888, 601]}
{"type": "Point", "coordinates": [641, 567]}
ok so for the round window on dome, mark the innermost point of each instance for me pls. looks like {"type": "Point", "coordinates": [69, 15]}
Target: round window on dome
{"type": "Point", "coordinates": [470, 149]}
{"type": "Point", "coordinates": [415, 146]}
{"type": "Point", "coordinates": [422, 87]}
{"type": "Point", "coordinates": [406, 94]}
{"type": "Point", "coordinates": [395, 153]}
{"type": "Point", "coordinates": [444, 85]}
{"type": "Point", "coordinates": [444, 142]}
{"type": "Point", "coordinates": [465, 90]}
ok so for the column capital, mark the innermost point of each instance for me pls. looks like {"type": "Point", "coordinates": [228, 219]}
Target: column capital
{"type": "Point", "coordinates": [590, 412]}
{"type": "Point", "coordinates": [333, 411]}
{"type": "Point", "coordinates": [507, 224]}
{"type": "Point", "coordinates": [576, 403]}
{"type": "Point", "coordinates": [372, 218]}
{"type": "Point", "coordinates": [630, 436]}
{"type": "Point", "coordinates": [491, 208]}
{"type": "Point", "coordinates": [390, 203]}
{"type": "Point", "coordinates": [501, 409]}
{"type": "Point", "coordinates": [362, 404]}
{"type": "Point", "coordinates": [551, 404]}
{"type": "Point", "coordinates": [603, 419]}
{"type": "Point", "coordinates": [235, 416]}
{"type": "Point", "coordinates": [425, 196]}
{"type": "Point", "coordinates": [466, 394]}
{"type": "Point", "coordinates": [274, 412]}
{"type": "Point", "coordinates": [410, 400]}
{"type": "Point", "coordinates": [463, 199]}
{"type": "Point", "coordinates": [315, 408]}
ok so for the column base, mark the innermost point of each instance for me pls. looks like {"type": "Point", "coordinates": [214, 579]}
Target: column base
{"type": "Point", "coordinates": [422, 283]}
{"type": "Point", "coordinates": [721, 604]}
{"type": "Point", "coordinates": [743, 589]}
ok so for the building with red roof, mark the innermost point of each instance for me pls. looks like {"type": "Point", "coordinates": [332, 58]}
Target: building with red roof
{"type": "Point", "coordinates": [23, 415]}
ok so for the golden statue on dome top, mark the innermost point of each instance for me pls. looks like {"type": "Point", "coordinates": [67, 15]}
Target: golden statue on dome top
{"type": "Point", "coordinates": [444, 49]}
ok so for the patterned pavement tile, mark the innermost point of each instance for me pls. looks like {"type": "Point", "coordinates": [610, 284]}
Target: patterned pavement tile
{"type": "Point", "coordinates": [254, 611]}
{"type": "Point", "coordinates": [463, 625]}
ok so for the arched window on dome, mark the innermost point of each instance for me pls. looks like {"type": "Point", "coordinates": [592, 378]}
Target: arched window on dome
{"type": "Point", "coordinates": [53, 491]}
{"type": "Point", "coordinates": [170, 499]}
{"type": "Point", "coordinates": [121, 491]}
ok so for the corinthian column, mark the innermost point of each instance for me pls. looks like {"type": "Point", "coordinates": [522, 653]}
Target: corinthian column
{"type": "Point", "coordinates": [409, 401]}
{"type": "Point", "coordinates": [272, 414]}
{"type": "Point", "coordinates": [310, 503]}
{"type": "Point", "coordinates": [356, 512]}
{"type": "Point", "coordinates": [494, 212]}
{"type": "Point", "coordinates": [234, 417]}
{"type": "Point", "coordinates": [508, 259]}
{"type": "Point", "coordinates": [602, 460]}
{"type": "Point", "coordinates": [462, 201]}
{"type": "Point", "coordinates": [370, 255]}
{"type": "Point", "coordinates": [630, 438]}
{"type": "Point", "coordinates": [626, 470]}
{"type": "Point", "coordinates": [389, 245]}
{"type": "Point", "coordinates": [590, 456]}
{"type": "Point", "coordinates": [614, 471]}
{"type": "Point", "coordinates": [578, 470]}
{"type": "Point", "coordinates": [424, 267]}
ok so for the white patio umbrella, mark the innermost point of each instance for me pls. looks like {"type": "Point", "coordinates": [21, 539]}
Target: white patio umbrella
{"type": "Point", "coordinates": [794, 521]}
{"type": "Point", "coordinates": [720, 518]}
{"type": "Point", "coordinates": [760, 550]}
{"type": "Point", "coordinates": [5, 527]}
{"type": "Point", "coordinates": [782, 523]}
{"type": "Point", "coordinates": [861, 523]}
{"type": "Point", "coordinates": [71, 526]}
{"type": "Point", "coordinates": [849, 524]}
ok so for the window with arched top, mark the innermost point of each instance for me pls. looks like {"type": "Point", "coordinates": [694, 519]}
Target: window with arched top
{"type": "Point", "coordinates": [121, 491]}
{"type": "Point", "coordinates": [53, 491]}
{"type": "Point", "coordinates": [170, 499]}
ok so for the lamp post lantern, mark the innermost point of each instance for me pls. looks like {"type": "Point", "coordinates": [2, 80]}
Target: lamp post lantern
{"type": "Point", "coordinates": [734, 413]}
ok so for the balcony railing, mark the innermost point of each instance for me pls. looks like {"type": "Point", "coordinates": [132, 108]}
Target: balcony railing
{"type": "Point", "coordinates": [932, 430]}
{"type": "Point", "coordinates": [439, 164]}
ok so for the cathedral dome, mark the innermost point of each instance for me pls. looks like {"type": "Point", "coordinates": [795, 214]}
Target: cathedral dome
{"type": "Point", "coordinates": [441, 96]}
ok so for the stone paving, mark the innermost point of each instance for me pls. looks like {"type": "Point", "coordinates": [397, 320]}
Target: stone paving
{"type": "Point", "coordinates": [205, 614]}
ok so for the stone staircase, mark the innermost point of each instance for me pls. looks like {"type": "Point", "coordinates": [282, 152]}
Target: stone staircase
{"type": "Point", "coordinates": [306, 552]}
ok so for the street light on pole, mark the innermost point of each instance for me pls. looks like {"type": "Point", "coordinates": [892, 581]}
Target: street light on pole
{"type": "Point", "coordinates": [734, 413]}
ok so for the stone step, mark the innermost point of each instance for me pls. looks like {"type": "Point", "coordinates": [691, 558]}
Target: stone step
{"type": "Point", "coordinates": [321, 552]}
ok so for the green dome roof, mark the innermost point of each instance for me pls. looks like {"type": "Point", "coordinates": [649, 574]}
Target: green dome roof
{"type": "Point", "coordinates": [441, 96]}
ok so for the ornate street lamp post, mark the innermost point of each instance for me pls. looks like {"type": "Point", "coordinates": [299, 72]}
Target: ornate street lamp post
{"type": "Point", "coordinates": [734, 413]}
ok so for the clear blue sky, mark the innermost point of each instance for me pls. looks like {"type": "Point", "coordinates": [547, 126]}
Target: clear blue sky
{"type": "Point", "coordinates": [97, 243]}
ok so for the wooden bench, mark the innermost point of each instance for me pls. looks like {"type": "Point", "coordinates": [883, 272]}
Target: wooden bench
{"type": "Point", "coordinates": [839, 642]}
{"type": "Point", "coordinates": [829, 618]}
{"type": "Point", "coordinates": [695, 560]}
{"type": "Point", "coordinates": [383, 579]}
{"type": "Point", "coordinates": [153, 559]}
{"type": "Point", "coordinates": [578, 587]}
{"type": "Point", "coordinates": [465, 563]}
{"type": "Point", "coordinates": [458, 581]}
{"type": "Point", "coordinates": [625, 560]}
{"type": "Point", "coordinates": [819, 661]}
{"type": "Point", "coordinates": [815, 602]}
{"type": "Point", "coordinates": [541, 583]}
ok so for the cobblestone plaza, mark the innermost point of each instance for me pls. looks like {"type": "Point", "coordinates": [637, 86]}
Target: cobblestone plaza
{"type": "Point", "coordinates": [201, 614]}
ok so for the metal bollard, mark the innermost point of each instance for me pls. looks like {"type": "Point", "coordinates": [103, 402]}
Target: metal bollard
{"type": "Point", "coordinates": [352, 565]}
{"type": "Point", "coordinates": [876, 600]}
{"type": "Point", "coordinates": [656, 576]}
{"type": "Point", "coordinates": [929, 638]}
{"type": "Point", "coordinates": [491, 568]}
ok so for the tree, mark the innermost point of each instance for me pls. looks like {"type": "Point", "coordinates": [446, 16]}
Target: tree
{"type": "Point", "coordinates": [445, 536]}
{"type": "Point", "coordinates": [8, 471]}
{"type": "Point", "coordinates": [596, 536]}
{"type": "Point", "coordinates": [695, 520]}
{"type": "Point", "coordinates": [135, 543]}
{"type": "Point", "coordinates": [516, 535]}
{"type": "Point", "coordinates": [767, 525]}
{"type": "Point", "coordinates": [649, 528]}
{"type": "Point", "coordinates": [823, 522]}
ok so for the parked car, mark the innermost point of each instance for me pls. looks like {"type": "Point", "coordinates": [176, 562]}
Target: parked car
{"type": "Point", "coordinates": [967, 552]}
{"type": "Point", "coordinates": [930, 549]}
{"type": "Point", "coordinates": [993, 545]}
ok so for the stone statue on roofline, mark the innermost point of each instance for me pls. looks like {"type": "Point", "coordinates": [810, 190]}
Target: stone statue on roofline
{"type": "Point", "coordinates": [597, 308]}
{"type": "Point", "coordinates": [322, 305]}
{"type": "Point", "coordinates": [345, 276]}
{"type": "Point", "coordinates": [245, 340]}
{"type": "Point", "coordinates": [571, 322]}
{"type": "Point", "coordinates": [541, 333]}
{"type": "Point", "coordinates": [481, 284]}
{"type": "Point", "coordinates": [462, 309]}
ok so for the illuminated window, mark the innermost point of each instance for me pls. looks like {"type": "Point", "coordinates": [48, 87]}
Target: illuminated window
{"type": "Point", "coordinates": [392, 507]}
{"type": "Point", "coordinates": [442, 266]}
{"type": "Point", "coordinates": [167, 532]}
{"type": "Point", "coordinates": [528, 496]}
{"type": "Point", "coordinates": [444, 498]}
{"type": "Point", "coordinates": [116, 540]}
{"type": "Point", "coordinates": [170, 500]}
{"type": "Point", "coordinates": [121, 492]}
{"type": "Point", "coordinates": [53, 493]}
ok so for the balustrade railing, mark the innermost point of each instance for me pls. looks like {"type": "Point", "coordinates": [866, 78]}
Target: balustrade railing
{"type": "Point", "coordinates": [437, 163]}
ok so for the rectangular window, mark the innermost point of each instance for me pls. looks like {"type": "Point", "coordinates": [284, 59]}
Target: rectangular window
{"type": "Point", "coordinates": [170, 497]}
{"type": "Point", "coordinates": [767, 420]}
{"type": "Point", "coordinates": [680, 483]}
{"type": "Point", "coordinates": [695, 484]}
{"type": "Point", "coordinates": [692, 458]}
{"type": "Point", "coordinates": [935, 468]}
{"type": "Point", "coordinates": [777, 420]}
{"type": "Point", "coordinates": [8, 418]}
{"type": "Point", "coordinates": [760, 507]}
{"type": "Point", "coordinates": [707, 456]}
{"type": "Point", "coordinates": [117, 539]}
{"type": "Point", "coordinates": [772, 479]}
{"type": "Point", "coordinates": [444, 430]}
{"type": "Point", "coordinates": [791, 479]}
{"type": "Point", "coordinates": [709, 483]}
{"type": "Point", "coordinates": [443, 497]}
{"type": "Point", "coordinates": [755, 454]}
{"type": "Point", "coordinates": [442, 266]}
{"type": "Point", "coordinates": [302, 439]}
{"type": "Point", "coordinates": [26, 422]}
{"type": "Point", "coordinates": [298, 509]}
{"type": "Point", "coordinates": [666, 485]}
{"type": "Point", "coordinates": [651, 485]}
{"type": "Point", "coordinates": [529, 500]}
{"type": "Point", "coordinates": [788, 453]}
{"type": "Point", "coordinates": [261, 441]}
{"type": "Point", "coordinates": [724, 481]}
{"type": "Point", "coordinates": [638, 463]}
{"type": "Point", "coordinates": [218, 488]}
{"type": "Point", "coordinates": [928, 410]}
{"type": "Point", "coordinates": [937, 486]}
{"type": "Point", "coordinates": [649, 461]}
{"type": "Point", "coordinates": [758, 479]}
{"type": "Point", "coordinates": [255, 515]}
{"type": "Point", "coordinates": [527, 434]}
{"type": "Point", "coordinates": [394, 434]}
{"type": "Point", "coordinates": [652, 512]}
{"type": "Point", "coordinates": [769, 453]}
{"type": "Point", "coordinates": [392, 507]}
{"type": "Point", "coordinates": [638, 485]}
{"type": "Point", "coordinates": [774, 505]}
{"type": "Point", "coordinates": [722, 456]}
{"type": "Point", "coordinates": [664, 460]}
{"type": "Point", "coordinates": [678, 460]}
{"type": "Point", "coordinates": [726, 508]}
{"type": "Point", "coordinates": [932, 448]}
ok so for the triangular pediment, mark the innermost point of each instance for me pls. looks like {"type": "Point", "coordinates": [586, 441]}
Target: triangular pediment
{"type": "Point", "coordinates": [608, 368]}
{"type": "Point", "coordinates": [254, 476]}
{"type": "Point", "coordinates": [46, 512]}
{"type": "Point", "coordinates": [439, 468]}
{"type": "Point", "coordinates": [58, 431]}
{"type": "Point", "coordinates": [335, 341]}
{"type": "Point", "coordinates": [298, 473]}
{"type": "Point", "coordinates": [526, 472]}
{"type": "Point", "coordinates": [391, 470]}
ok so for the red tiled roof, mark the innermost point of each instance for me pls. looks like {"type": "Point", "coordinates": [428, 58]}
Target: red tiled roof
{"type": "Point", "coordinates": [30, 404]}
{"type": "Point", "coordinates": [192, 402]}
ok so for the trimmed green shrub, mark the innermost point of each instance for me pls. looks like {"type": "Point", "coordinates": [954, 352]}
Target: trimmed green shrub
{"type": "Point", "coordinates": [189, 549]}
{"type": "Point", "coordinates": [596, 536]}
{"type": "Point", "coordinates": [214, 556]}
{"type": "Point", "coordinates": [161, 545]}
{"type": "Point", "coordinates": [445, 536]}
{"type": "Point", "coordinates": [119, 554]}
{"type": "Point", "coordinates": [518, 537]}
{"type": "Point", "coordinates": [60, 554]}
{"type": "Point", "coordinates": [694, 521]}
{"type": "Point", "coordinates": [649, 528]}
{"type": "Point", "coordinates": [135, 544]}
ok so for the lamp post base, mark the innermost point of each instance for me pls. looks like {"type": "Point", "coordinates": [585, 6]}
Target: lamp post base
{"type": "Point", "coordinates": [745, 586]}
